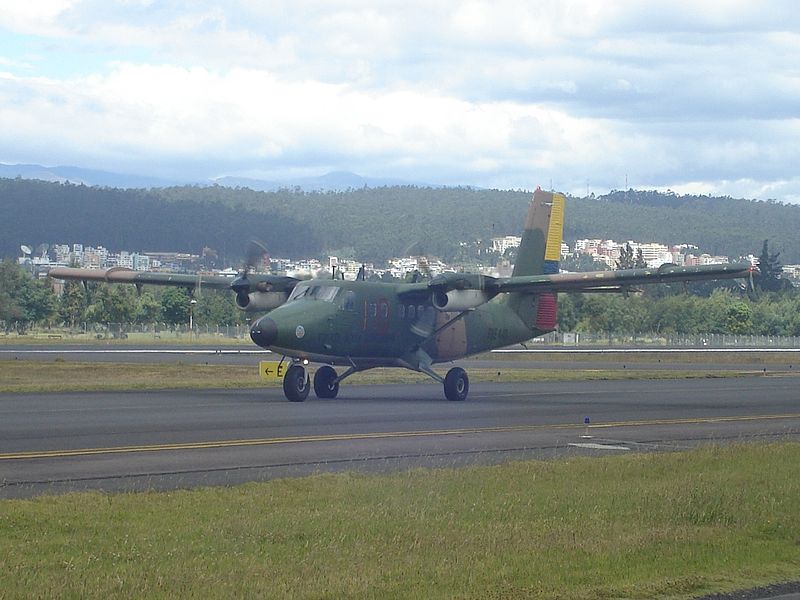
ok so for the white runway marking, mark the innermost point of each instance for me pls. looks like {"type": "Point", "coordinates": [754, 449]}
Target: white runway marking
{"type": "Point", "coordinates": [593, 446]}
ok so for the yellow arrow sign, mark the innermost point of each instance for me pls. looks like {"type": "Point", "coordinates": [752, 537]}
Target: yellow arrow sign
{"type": "Point", "coordinates": [271, 370]}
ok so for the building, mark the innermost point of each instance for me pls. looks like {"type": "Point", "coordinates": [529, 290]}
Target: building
{"type": "Point", "coordinates": [501, 244]}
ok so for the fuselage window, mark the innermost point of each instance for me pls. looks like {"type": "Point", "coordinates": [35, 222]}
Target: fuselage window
{"type": "Point", "coordinates": [384, 310]}
{"type": "Point", "coordinates": [412, 311]}
{"type": "Point", "coordinates": [420, 310]}
{"type": "Point", "coordinates": [327, 293]}
{"type": "Point", "coordinates": [373, 309]}
{"type": "Point", "coordinates": [349, 301]}
{"type": "Point", "coordinates": [401, 311]}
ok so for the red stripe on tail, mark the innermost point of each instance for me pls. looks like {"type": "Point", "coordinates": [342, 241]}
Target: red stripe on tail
{"type": "Point", "coordinates": [547, 311]}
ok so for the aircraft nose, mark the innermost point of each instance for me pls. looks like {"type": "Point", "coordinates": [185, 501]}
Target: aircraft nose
{"type": "Point", "coordinates": [264, 332]}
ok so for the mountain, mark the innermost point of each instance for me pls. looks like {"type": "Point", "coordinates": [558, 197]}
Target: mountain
{"type": "Point", "coordinates": [90, 177]}
{"type": "Point", "coordinates": [336, 181]}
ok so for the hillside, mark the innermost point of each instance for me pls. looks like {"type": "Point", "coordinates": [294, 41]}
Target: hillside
{"type": "Point", "coordinates": [370, 224]}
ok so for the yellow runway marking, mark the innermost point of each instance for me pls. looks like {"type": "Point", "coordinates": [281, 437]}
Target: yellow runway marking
{"type": "Point", "coordinates": [379, 435]}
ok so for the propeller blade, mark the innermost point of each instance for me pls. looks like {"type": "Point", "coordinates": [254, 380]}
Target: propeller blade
{"type": "Point", "coordinates": [256, 251]}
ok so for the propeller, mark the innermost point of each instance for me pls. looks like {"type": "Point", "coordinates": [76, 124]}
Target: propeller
{"type": "Point", "coordinates": [752, 272]}
{"type": "Point", "coordinates": [241, 285]}
{"type": "Point", "coordinates": [423, 267]}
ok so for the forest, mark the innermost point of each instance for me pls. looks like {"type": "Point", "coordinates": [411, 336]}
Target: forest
{"type": "Point", "coordinates": [371, 224]}
{"type": "Point", "coordinates": [662, 309]}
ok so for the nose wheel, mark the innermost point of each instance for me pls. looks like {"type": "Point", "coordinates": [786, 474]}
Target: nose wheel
{"type": "Point", "coordinates": [296, 384]}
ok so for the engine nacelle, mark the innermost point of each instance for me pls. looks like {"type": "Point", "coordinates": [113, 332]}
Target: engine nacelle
{"type": "Point", "coordinates": [260, 301]}
{"type": "Point", "coordinates": [458, 300]}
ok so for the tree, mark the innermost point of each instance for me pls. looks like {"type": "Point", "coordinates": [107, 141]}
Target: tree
{"type": "Point", "coordinates": [216, 307]}
{"type": "Point", "coordinates": [626, 260]}
{"type": "Point", "coordinates": [770, 270]}
{"type": "Point", "coordinates": [23, 299]}
{"type": "Point", "coordinates": [175, 305]}
{"type": "Point", "coordinates": [640, 262]}
{"type": "Point", "coordinates": [73, 303]}
{"type": "Point", "coordinates": [581, 263]}
{"type": "Point", "coordinates": [112, 304]}
{"type": "Point", "coordinates": [739, 318]}
{"type": "Point", "coordinates": [148, 309]}
{"type": "Point", "coordinates": [567, 318]}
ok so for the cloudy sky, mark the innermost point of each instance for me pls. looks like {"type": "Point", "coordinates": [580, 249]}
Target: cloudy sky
{"type": "Point", "coordinates": [695, 96]}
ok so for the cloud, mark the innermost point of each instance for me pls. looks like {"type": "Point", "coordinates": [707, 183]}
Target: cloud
{"type": "Point", "coordinates": [510, 94]}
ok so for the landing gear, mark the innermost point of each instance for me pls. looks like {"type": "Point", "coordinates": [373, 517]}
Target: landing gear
{"type": "Point", "coordinates": [326, 384]}
{"type": "Point", "coordinates": [456, 384]}
{"type": "Point", "coordinates": [296, 384]}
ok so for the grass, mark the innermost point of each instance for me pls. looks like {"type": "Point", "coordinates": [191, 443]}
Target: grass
{"type": "Point", "coordinates": [60, 375]}
{"type": "Point", "coordinates": [673, 525]}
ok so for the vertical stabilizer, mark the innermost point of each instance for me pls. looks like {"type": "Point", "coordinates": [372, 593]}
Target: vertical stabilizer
{"type": "Point", "coordinates": [539, 254]}
{"type": "Point", "coordinates": [540, 249]}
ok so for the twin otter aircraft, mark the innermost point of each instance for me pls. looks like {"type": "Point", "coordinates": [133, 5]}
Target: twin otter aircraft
{"type": "Point", "coordinates": [361, 325]}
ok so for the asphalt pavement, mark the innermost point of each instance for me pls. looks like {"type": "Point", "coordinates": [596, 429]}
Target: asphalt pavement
{"type": "Point", "coordinates": [57, 442]}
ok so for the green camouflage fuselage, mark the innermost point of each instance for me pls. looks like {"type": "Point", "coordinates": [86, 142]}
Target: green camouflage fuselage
{"type": "Point", "coordinates": [382, 323]}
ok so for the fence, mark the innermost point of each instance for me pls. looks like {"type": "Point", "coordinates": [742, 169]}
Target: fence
{"type": "Point", "coordinates": [699, 340]}
{"type": "Point", "coordinates": [131, 331]}
{"type": "Point", "coordinates": [154, 332]}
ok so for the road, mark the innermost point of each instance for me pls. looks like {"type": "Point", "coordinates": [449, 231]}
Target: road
{"type": "Point", "coordinates": [57, 442]}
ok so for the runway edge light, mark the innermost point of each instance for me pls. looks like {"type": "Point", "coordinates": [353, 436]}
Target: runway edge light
{"type": "Point", "coordinates": [586, 422]}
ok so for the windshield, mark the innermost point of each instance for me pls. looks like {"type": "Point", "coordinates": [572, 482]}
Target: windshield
{"type": "Point", "coordinates": [326, 293]}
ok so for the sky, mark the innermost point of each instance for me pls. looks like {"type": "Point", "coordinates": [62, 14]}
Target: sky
{"type": "Point", "coordinates": [699, 96]}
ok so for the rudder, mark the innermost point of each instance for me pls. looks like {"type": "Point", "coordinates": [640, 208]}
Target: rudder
{"type": "Point", "coordinates": [539, 254]}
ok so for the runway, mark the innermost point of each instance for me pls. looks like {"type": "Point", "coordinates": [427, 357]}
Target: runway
{"type": "Point", "coordinates": [53, 443]}
{"type": "Point", "coordinates": [787, 360]}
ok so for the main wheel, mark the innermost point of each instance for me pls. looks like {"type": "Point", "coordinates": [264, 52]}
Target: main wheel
{"type": "Point", "coordinates": [456, 384]}
{"type": "Point", "coordinates": [295, 384]}
{"type": "Point", "coordinates": [325, 384]}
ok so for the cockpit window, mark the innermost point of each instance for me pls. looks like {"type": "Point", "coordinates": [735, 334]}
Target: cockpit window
{"type": "Point", "coordinates": [298, 292]}
{"type": "Point", "coordinates": [326, 293]}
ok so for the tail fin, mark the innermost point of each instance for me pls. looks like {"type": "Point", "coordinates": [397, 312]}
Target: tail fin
{"type": "Point", "coordinates": [539, 253]}
{"type": "Point", "coordinates": [540, 249]}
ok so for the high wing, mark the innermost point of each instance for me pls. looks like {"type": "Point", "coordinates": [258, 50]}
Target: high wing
{"type": "Point", "coordinates": [125, 275]}
{"type": "Point", "coordinates": [462, 291]}
{"type": "Point", "coordinates": [254, 292]}
{"type": "Point", "coordinates": [618, 281]}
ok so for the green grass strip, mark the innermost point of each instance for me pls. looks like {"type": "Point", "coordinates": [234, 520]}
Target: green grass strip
{"type": "Point", "coordinates": [672, 525]}
{"type": "Point", "coordinates": [18, 376]}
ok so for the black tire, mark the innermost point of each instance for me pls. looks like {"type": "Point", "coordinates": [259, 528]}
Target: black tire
{"type": "Point", "coordinates": [324, 384]}
{"type": "Point", "coordinates": [456, 384]}
{"type": "Point", "coordinates": [295, 384]}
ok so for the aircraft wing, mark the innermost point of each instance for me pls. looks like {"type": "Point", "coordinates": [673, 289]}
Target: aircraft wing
{"type": "Point", "coordinates": [616, 281]}
{"type": "Point", "coordinates": [125, 275]}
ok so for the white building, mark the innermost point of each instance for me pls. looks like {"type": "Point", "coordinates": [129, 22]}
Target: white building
{"type": "Point", "coordinates": [501, 244]}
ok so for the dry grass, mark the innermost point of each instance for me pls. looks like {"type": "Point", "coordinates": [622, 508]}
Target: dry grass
{"type": "Point", "coordinates": [59, 375]}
